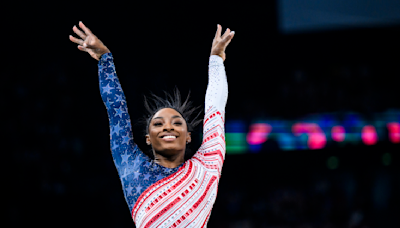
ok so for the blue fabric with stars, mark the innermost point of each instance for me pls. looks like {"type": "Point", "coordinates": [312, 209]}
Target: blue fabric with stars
{"type": "Point", "coordinates": [135, 169]}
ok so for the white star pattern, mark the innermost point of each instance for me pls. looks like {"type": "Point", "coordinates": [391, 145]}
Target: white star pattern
{"type": "Point", "coordinates": [119, 112]}
{"type": "Point", "coordinates": [110, 77]}
{"type": "Point", "coordinates": [146, 176]}
{"type": "Point", "coordinates": [129, 190]}
{"type": "Point", "coordinates": [136, 175]}
{"type": "Point", "coordinates": [119, 99]}
{"type": "Point", "coordinates": [117, 129]}
{"type": "Point", "coordinates": [119, 88]}
{"type": "Point", "coordinates": [159, 177]}
{"type": "Point", "coordinates": [124, 175]}
{"type": "Point", "coordinates": [136, 165]}
{"type": "Point", "coordinates": [114, 145]}
{"type": "Point", "coordinates": [107, 89]}
{"type": "Point", "coordinates": [125, 158]}
{"type": "Point", "coordinates": [109, 103]}
{"type": "Point", "coordinates": [138, 188]}
{"type": "Point", "coordinates": [126, 138]}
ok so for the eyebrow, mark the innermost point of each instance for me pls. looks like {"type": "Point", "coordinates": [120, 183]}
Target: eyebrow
{"type": "Point", "coordinates": [163, 117]}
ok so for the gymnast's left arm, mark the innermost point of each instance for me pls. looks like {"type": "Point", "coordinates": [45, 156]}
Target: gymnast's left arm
{"type": "Point", "coordinates": [215, 100]}
{"type": "Point", "coordinates": [217, 88]}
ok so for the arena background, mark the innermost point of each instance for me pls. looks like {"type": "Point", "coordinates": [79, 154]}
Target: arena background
{"type": "Point", "coordinates": [312, 119]}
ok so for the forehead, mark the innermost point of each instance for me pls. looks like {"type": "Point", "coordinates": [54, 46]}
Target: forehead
{"type": "Point", "coordinates": [166, 112]}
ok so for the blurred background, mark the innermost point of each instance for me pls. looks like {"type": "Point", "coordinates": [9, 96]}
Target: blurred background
{"type": "Point", "coordinates": [312, 119]}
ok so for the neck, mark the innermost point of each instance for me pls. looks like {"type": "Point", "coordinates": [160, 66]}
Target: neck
{"type": "Point", "coordinates": [172, 161]}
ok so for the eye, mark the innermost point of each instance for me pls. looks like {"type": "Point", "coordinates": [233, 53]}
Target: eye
{"type": "Point", "coordinates": [157, 124]}
{"type": "Point", "coordinates": [178, 123]}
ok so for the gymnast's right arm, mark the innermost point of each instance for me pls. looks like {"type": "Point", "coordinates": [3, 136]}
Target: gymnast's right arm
{"type": "Point", "coordinates": [122, 146]}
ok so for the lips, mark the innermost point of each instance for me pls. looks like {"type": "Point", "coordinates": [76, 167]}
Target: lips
{"type": "Point", "coordinates": [168, 134]}
{"type": "Point", "coordinates": [169, 137]}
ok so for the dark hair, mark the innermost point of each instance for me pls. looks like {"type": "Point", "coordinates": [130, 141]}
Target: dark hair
{"type": "Point", "coordinates": [175, 102]}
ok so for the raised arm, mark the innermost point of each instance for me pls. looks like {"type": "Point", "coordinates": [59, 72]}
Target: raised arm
{"type": "Point", "coordinates": [121, 142]}
{"type": "Point", "coordinates": [215, 100]}
{"type": "Point", "coordinates": [217, 88]}
{"type": "Point", "coordinates": [121, 138]}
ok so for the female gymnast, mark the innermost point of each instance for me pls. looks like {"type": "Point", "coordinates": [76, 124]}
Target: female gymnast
{"type": "Point", "coordinates": [167, 190]}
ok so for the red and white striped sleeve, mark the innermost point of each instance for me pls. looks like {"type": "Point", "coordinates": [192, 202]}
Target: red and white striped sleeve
{"type": "Point", "coordinates": [212, 150]}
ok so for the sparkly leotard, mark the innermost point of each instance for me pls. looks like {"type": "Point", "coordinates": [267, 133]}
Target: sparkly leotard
{"type": "Point", "coordinates": [167, 197]}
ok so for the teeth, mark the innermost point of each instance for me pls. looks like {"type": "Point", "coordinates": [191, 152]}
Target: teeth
{"type": "Point", "coordinates": [169, 137]}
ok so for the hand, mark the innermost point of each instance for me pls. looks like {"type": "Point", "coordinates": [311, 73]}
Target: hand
{"type": "Point", "coordinates": [89, 42]}
{"type": "Point", "coordinates": [220, 43]}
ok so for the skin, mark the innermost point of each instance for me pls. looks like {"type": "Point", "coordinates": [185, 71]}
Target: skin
{"type": "Point", "coordinates": [168, 153]}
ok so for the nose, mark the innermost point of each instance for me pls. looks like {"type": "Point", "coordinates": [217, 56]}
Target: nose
{"type": "Point", "coordinates": [168, 127]}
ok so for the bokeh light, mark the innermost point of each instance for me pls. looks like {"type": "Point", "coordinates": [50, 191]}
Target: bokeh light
{"type": "Point", "coordinates": [258, 133]}
{"type": "Point", "coordinates": [235, 137]}
{"type": "Point", "coordinates": [316, 140]}
{"type": "Point", "coordinates": [368, 135]}
{"type": "Point", "coordinates": [338, 133]}
{"type": "Point", "coordinates": [316, 137]}
{"type": "Point", "coordinates": [311, 133]}
{"type": "Point", "coordinates": [286, 141]}
{"type": "Point", "coordinates": [236, 143]}
{"type": "Point", "coordinates": [394, 132]}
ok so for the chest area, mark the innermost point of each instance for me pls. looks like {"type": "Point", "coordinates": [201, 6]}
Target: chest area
{"type": "Point", "coordinates": [138, 177]}
{"type": "Point", "coordinates": [182, 195]}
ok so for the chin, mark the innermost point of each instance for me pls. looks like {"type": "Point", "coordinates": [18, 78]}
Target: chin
{"type": "Point", "coordinates": [169, 150]}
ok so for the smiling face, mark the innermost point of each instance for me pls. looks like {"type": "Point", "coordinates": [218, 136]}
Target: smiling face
{"type": "Point", "coordinates": [168, 133]}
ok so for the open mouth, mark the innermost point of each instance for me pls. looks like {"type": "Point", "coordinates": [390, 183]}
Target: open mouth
{"type": "Point", "coordinates": [169, 137]}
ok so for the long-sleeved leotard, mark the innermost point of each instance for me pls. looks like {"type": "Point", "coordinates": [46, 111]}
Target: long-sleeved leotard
{"type": "Point", "coordinates": [167, 197]}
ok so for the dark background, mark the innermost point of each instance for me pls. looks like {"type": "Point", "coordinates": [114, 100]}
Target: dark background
{"type": "Point", "coordinates": [60, 170]}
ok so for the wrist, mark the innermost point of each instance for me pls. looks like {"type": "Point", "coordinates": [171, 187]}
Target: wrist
{"type": "Point", "coordinates": [219, 55]}
{"type": "Point", "coordinates": [102, 51]}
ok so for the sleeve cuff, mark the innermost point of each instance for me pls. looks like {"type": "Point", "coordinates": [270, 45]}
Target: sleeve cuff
{"type": "Point", "coordinates": [105, 57]}
{"type": "Point", "coordinates": [216, 59]}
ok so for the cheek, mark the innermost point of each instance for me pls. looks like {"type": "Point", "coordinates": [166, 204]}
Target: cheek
{"type": "Point", "coordinates": [153, 134]}
{"type": "Point", "coordinates": [183, 133]}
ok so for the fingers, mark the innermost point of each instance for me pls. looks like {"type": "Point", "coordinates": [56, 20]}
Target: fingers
{"type": "Point", "coordinates": [227, 37]}
{"type": "Point", "coordinates": [75, 40]}
{"type": "Point", "coordinates": [226, 33]}
{"type": "Point", "coordinates": [231, 35]}
{"type": "Point", "coordinates": [218, 33]}
{"type": "Point", "coordinates": [81, 48]}
{"type": "Point", "coordinates": [85, 29]}
{"type": "Point", "coordinates": [79, 32]}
